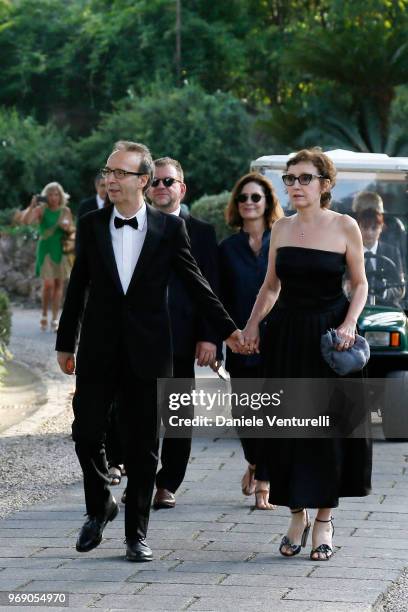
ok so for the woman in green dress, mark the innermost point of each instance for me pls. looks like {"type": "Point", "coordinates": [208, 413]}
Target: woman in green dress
{"type": "Point", "coordinates": [52, 214]}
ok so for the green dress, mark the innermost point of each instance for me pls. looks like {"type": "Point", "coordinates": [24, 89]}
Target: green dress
{"type": "Point", "coordinates": [51, 261]}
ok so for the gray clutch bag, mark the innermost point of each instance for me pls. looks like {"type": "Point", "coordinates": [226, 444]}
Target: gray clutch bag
{"type": "Point", "coordinates": [344, 362]}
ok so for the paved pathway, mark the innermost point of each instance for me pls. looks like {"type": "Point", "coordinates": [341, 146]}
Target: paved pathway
{"type": "Point", "coordinates": [213, 551]}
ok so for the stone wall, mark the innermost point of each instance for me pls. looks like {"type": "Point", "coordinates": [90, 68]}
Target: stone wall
{"type": "Point", "coordinates": [17, 268]}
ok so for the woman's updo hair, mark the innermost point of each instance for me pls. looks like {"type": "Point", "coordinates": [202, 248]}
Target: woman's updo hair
{"type": "Point", "coordinates": [324, 166]}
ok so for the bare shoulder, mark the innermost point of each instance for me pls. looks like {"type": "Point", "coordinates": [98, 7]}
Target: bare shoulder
{"type": "Point", "coordinates": [348, 224]}
{"type": "Point", "coordinates": [281, 223]}
{"type": "Point", "coordinates": [279, 228]}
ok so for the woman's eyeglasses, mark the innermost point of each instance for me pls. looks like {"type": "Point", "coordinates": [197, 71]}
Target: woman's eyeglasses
{"type": "Point", "coordinates": [254, 197]}
{"type": "Point", "coordinates": [304, 179]}
{"type": "Point", "coordinates": [167, 182]}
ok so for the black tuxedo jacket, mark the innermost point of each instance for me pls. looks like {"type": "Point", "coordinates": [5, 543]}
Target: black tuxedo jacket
{"type": "Point", "coordinates": [137, 322]}
{"type": "Point", "coordinates": [187, 324]}
{"type": "Point", "coordinates": [87, 206]}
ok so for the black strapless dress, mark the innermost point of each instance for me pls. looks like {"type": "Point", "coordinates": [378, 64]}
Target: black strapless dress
{"type": "Point", "coordinates": [310, 473]}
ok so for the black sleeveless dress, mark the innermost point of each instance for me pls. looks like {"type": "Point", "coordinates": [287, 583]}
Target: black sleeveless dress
{"type": "Point", "coordinates": [310, 473]}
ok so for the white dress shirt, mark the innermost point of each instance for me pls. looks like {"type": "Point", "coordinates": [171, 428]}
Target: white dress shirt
{"type": "Point", "coordinates": [127, 244]}
{"type": "Point", "coordinates": [176, 212]}
{"type": "Point", "coordinates": [373, 250]}
{"type": "Point", "coordinates": [99, 201]}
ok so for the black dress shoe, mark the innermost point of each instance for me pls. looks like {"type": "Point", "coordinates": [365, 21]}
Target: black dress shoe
{"type": "Point", "coordinates": [164, 499]}
{"type": "Point", "coordinates": [138, 550]}
{"type": "Point", "coordinates": [91, 533]}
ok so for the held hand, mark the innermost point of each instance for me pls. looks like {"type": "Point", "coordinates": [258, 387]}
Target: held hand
{"type": "Point", "coordinates": [251, 337]}
{"type": "Point", "coordinates": [66, 362]}
{"type": "Point", "coordinates": [235, 341]}
{"type": "Point", "coordinates": [205, 353]}
{"type": "Point", "coordinates": [346, 332]}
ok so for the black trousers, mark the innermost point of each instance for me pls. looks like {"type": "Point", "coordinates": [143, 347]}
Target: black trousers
{"type": "Point", "coordinates": [175, 452]}
{"type": "Point", "coordinates": [114, 453]}
{"type": "Point", "coordinates": [136, 405]}
{"type": "Point", "coordinates": [253, 447]}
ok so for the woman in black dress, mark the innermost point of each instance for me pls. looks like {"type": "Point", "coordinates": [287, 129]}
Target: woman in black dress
{"type": "Point", "coordinates": [253, 208]}
{"type": "Point", "coordinates": [307, 258]}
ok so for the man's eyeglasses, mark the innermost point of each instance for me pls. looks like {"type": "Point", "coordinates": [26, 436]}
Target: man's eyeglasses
{"type": "Point", "coordinates": [304, 179]}
{"type": "Point", "coordinates": [118, 173]}
{"type": "Point", "coordinates": [255, 197]}
{"type": "Point", "coordinates": [167, 182]}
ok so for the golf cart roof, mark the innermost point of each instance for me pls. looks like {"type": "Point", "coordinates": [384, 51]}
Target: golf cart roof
{"type": "Point", "coordinates": [344, 160]}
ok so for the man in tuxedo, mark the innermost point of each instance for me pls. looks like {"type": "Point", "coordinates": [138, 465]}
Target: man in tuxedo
{"type": "Point", "coordinates": [126, 254]}
{"type": "Point", "coordinates": [95, 202]}
{"type": "Point", "coordinates": [379, 259]}
{"type": "Point", "coordinates": [191, 335]}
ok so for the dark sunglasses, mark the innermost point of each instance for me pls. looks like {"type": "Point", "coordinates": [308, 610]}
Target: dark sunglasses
{"type": "Point", "coordinates": [304, 179]}
{"type": "Point", "coordinates": [167, 182]}
{"type": "Point", "coordinates": [255, 197]}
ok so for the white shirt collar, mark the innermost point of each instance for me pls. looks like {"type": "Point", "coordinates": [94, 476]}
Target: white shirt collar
{"type": "Point", "coordinates": [140, 216]}
{"type": "Point", "coordinates": [176, 212]}
{"type": "Point", "coordinates": [99, 201]}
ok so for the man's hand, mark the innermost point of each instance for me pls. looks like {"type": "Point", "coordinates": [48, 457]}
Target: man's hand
{"type": "Point", "coordinates": [235, 341]}
{"type": "Point", "coordinates": [205, 353]}
{"type": "Point", "coordinates": [66, 362]}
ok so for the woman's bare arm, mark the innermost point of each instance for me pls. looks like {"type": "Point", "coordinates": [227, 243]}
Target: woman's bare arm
{"type": "Point", "coordinates": [33, 212]}
{"type": "Point", "coordinates": [357, 279]}
{"type": "Point", "coordinates": [268, 293]}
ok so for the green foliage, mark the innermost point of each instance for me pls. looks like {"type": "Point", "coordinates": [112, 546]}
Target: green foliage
{"type": "Point", "coordinates": [8, 225]}
{"type": "Point", "coordinates": [344, 73]}
{"type": "Point", "coordinates": [253, 77]}
{"type": "Point", "coordinates": [211, 209]}
{"type": "Point", "coordinates": [26, 232]}
{"type": "Point", "coordinates": [32, 155]}
{"type": "Point", "coordinates": [71, 61]}
{"type": "Point", "coordinates": [5, 326]}
{"type": "Point", "coordinates": [6, 216]}
{"type": "Point", "coordinates": [209, 134]}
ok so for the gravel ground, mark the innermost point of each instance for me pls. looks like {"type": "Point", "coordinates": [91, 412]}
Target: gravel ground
{"type": "Point", "coordinates": [34, 467]}
{"type": "Point", "coordinates": [396, 599]}
{"type": "Point", "coordinates": [38, 458]}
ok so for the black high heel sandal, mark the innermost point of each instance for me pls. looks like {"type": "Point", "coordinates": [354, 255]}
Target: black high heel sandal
{"type": "Point", "coordinates": [296, 548]}
{"type": "Point", "coordinates": [324, 549]}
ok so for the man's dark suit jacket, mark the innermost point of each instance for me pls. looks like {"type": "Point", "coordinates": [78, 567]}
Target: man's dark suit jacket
{"type": "Point", "coordinates": [187, 324]}
{"type": "Point", "coordinates": [87, 206]}
{"type": "Point", "coordinates": [394, 294]}
{"type": "Point", "coordinates": [136, 322]}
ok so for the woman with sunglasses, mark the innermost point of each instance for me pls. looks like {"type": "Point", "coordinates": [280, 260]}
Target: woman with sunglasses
{"type": "Point", "coordinates": [252, 209]}
{"type": "Point", "coordinates": [308, 255]}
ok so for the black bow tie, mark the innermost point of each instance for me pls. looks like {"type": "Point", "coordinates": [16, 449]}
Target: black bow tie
{"type": "Point", "coordinates": [121, 222]}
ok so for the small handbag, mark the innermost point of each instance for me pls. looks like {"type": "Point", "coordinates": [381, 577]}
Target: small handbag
{"type": "Point", "coordinates": [344, 362]}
